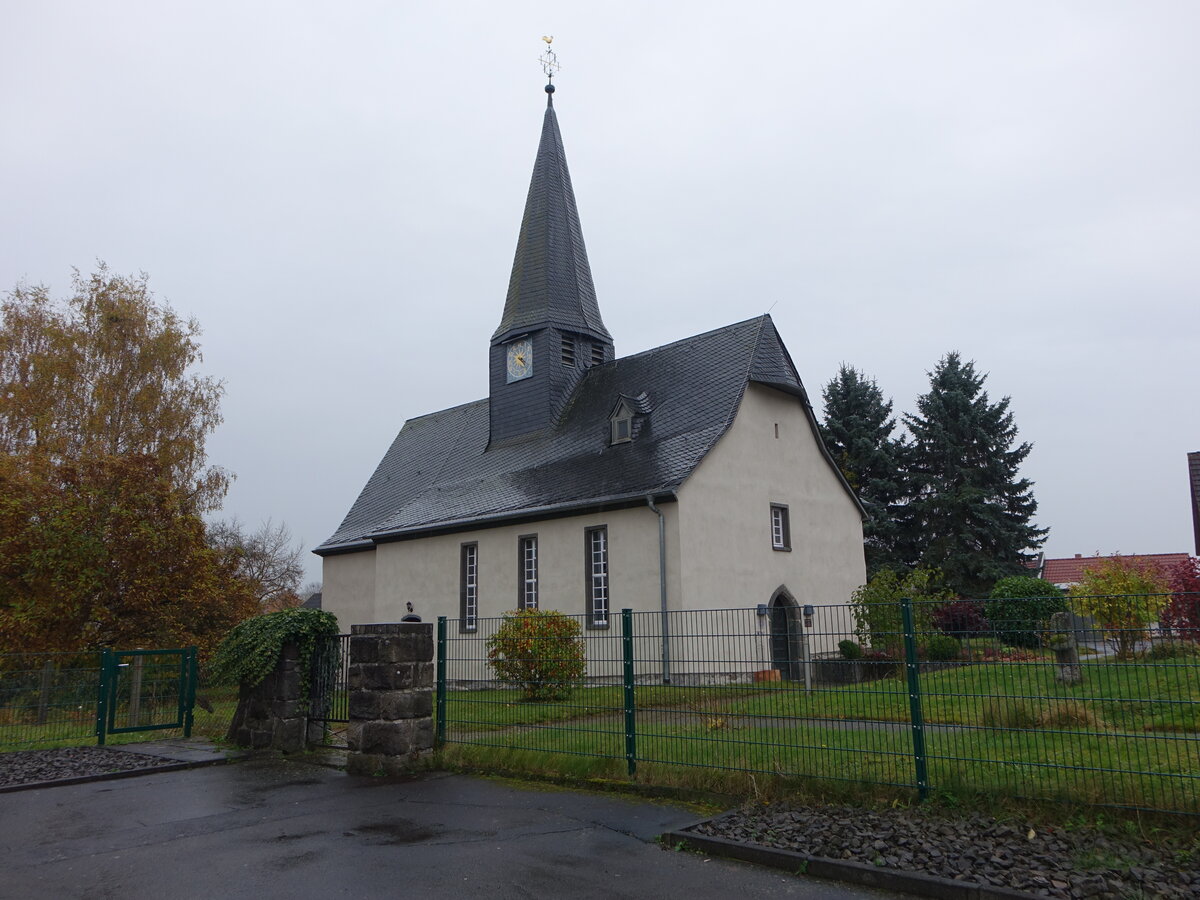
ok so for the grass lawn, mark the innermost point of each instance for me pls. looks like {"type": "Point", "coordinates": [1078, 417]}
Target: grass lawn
{"type": "Point", "coordinates": [1129, 734]}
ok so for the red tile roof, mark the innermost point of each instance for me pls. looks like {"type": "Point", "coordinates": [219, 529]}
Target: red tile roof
{"type": "Point", "coordinates": [1070, 570]}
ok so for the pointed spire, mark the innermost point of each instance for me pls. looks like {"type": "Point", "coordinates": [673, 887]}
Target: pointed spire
{"type": "Point", "coordinates": [551, 281]}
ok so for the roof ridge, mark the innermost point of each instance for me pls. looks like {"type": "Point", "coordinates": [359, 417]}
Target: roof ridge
{"type": "Point", "coordinates": [693, 337]}
{"type": "Point", "coordinates": [446, 410]}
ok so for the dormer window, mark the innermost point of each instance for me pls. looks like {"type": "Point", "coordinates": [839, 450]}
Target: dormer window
{"type": "Point", "coordinates": [622, 429]}
{"type": "Point", "coordinates": [621, 420]}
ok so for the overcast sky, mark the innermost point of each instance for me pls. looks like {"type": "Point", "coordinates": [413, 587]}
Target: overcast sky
{"type": "Point", "coordinates": [334, 192]}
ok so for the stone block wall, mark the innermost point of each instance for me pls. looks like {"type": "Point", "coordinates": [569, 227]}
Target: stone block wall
{"type": "Point", "coordinates": [391, 697]}
{"type": "Point", "coordinates": [269, 715]}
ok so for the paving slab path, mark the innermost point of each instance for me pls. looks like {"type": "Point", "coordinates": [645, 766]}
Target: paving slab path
{"type": "Point", "coordinates": [265, 828]}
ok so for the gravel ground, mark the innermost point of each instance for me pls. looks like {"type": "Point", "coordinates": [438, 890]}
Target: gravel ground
{"type": "Point", "coordinates": [23, 766]}
{"type": "Point", "coordinates": [1043, 861]}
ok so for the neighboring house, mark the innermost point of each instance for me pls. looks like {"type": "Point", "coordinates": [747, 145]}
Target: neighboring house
{"type": "Point", "coordinates": [313, 601]}
{"type": "Point", "coordinates": [1194, 484]}
{"type": "Point", "coordinates": [1069, 571]}
{"type": "Point", "coordinates": [687, 477]}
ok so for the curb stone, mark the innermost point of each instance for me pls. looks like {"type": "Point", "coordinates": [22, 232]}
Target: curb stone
{"type": "Point", "coordinates": [112, 776]}
{"type": "Point", "coordinates": [841, 870]}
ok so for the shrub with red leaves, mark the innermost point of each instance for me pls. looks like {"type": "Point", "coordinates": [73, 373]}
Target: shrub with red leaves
{"type": "Point", "coordinates": [961, 619]}
{"type": "Point", "coordinates": [1181, 616]}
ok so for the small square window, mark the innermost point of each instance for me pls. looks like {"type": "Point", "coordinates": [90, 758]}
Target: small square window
{"type": "Point", "coordinates": [781, 532]}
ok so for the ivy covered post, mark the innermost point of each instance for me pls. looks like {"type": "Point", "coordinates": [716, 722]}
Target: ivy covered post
{"type": "Point", "coordinates": [272, 658]}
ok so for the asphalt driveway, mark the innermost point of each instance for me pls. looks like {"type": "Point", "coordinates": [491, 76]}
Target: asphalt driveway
{"type": "Point", "coordinates": [265, 828]}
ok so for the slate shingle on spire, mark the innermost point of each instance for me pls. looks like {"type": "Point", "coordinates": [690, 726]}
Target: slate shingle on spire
{"type": "Point", "coordinates": [551, 281]}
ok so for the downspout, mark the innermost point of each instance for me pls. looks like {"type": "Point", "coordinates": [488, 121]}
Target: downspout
{"type": "Point", "coordinates": [662, 588]}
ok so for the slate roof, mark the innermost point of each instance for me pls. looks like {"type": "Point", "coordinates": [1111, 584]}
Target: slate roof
{"type": "Point", "coordinates": [551, 280]}
{"type": "Point", "coordinates": [439, 475]}
{"type": "Point", "coordinates": [1070, 570]}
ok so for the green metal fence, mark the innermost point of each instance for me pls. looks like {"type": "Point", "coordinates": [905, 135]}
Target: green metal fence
{"type": "Point", "coordinates": [65, 698]}
{"type": "Point", "coordinates": [919, 699]}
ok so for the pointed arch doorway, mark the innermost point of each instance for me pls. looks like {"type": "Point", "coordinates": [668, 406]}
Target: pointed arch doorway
{"type": "Point", "coordinates": [786, 634]}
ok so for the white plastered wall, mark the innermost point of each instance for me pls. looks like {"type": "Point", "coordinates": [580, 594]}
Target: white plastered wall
{"type": "Point", "coordinates": [348, 587]}
{"type": "Point", "coordinates": [727, 557]}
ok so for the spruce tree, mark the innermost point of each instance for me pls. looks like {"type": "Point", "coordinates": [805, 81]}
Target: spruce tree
{"type": "Point", "coordinates": [969, 511]}
{"type": "Point", "coordinates": [857, 432]}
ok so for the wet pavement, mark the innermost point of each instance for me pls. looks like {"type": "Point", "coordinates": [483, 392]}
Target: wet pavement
{"type": "Point", "coordinates": [271, 827]}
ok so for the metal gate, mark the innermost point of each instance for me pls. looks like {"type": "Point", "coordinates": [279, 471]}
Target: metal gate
{"type": "Point", "coordinates": [329, 695]}
{"type": "Point", "coordinates": [145, 690]}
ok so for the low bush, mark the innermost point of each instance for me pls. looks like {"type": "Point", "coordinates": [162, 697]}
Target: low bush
{"type": "Point", "coordinates": [1070, 714]}
{"type": "Point", "coordinates": [1125, 596]}
{"type": "Point", "coordinates": [1019, 609]}
{"type": "Point", "coordinates": [1181, 616]}
{"type": "Point", "coordinates": [850, 649]}
{"type": "Point", "coordinates": [1006, 712]}
{"type": "Point", "coordinates": [942, 648]}
{"type": "Point", "coordinates": [540, 651]}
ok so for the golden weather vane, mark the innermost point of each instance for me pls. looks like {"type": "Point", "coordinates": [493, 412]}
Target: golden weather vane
{"type": "Point", "coordinates": [549, 59]}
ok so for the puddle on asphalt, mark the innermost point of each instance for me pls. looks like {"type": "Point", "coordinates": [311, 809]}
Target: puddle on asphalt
{"type": "Point", "coordinates": [397, 831]}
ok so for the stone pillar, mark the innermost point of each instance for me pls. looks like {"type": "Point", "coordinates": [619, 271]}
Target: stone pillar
{"type": "Point", "coordinates": [1066, 650]}
{"type": "Point", "coordinates": [391, 697]}
{"type": "Point", "coordinates": [269, 715]}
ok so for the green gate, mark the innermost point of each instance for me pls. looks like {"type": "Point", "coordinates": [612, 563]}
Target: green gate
{"type": "Point", "coordinates": [145, 690]}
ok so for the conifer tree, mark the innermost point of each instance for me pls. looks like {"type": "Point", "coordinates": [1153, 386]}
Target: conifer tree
{"type": "Point", "coordinates": [969, 512]}
{"type": "Point", "coordinates": [857, 431]}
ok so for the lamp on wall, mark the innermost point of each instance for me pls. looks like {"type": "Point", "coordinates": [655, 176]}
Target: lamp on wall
{"type": "Point", "coordinates": [808, 616]}
{"type": "Point", "coordinates": [762, 609]}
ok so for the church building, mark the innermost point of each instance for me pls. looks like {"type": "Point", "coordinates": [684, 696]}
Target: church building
{"type": "Point", "coordinates": [690, 476]}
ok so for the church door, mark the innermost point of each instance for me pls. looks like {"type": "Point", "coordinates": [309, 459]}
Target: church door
{"type": "Point", "coordinates": [785, 635]}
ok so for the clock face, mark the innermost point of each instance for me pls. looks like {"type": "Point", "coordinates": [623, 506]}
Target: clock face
{"type": "Point", "coordinates": [520, 359]}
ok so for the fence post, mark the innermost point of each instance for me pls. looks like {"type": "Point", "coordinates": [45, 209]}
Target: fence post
{"type": "Point", "coordinates": [102, 696]}
{"type": "Point", "coordinates": [913, 669]}
{"type": "Point", "coordinates": [44, 693]}
{"type": "Point", "coordinates": [136, 670]}
{"type": "Point", "coordinates": [192, 668]}
{"type": "Point", "coordinates": [439, 737]}
{"type": "Point", "coordinates": [630, 699]}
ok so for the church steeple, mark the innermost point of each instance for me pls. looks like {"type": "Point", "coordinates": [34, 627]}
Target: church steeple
{"type": "Point", "coordinates": [551, 281]}
{"type": "Point", "coordinates": [551, 329]}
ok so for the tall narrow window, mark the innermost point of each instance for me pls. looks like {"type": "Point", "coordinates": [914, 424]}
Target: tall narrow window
{"type": "Point", "coordinates": [527, 565]}
{"type": "Point", "coordinates": [597, 577]}
{"type": "Point", "coordinates": [468, 606]}
{"type": "Point", "coordinates": [568, 351]}
{"type": "Point", "coordinates": [781, 532]}
{"type": "Point", "coordinates": [597, 354]}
